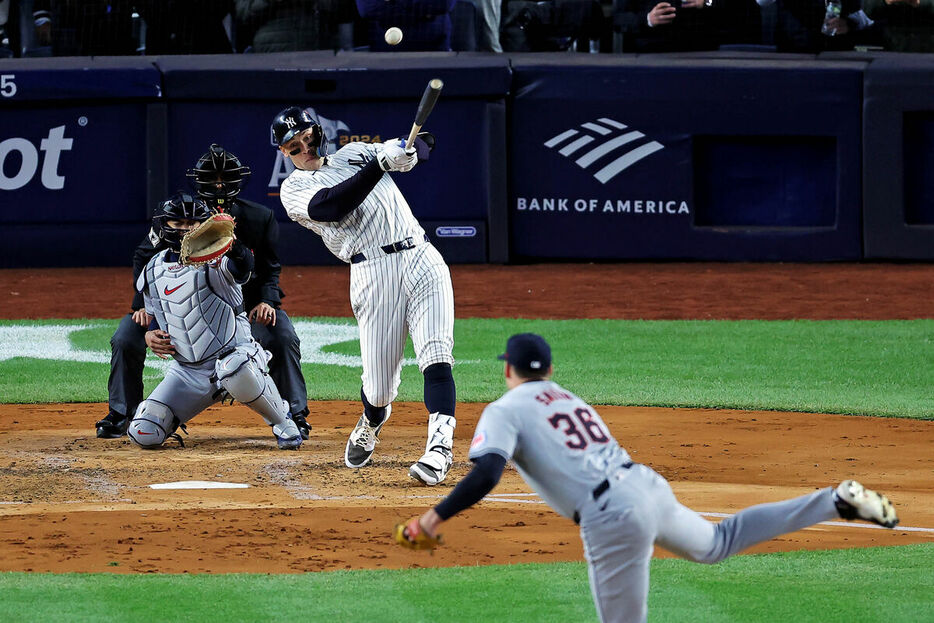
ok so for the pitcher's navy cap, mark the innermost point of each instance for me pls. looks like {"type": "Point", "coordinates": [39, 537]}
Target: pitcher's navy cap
{"type": "Point", "coordinates": [527, 352]}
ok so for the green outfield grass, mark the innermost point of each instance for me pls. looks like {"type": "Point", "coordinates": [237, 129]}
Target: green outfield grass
{"type": "Point", "coordinates": [858, 367]}
{"type": "Point", "coordinates": [886, 584]}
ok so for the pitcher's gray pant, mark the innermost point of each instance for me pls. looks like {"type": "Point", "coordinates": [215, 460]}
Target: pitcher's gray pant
{"type": "Point", "coordinates": [620, 528]}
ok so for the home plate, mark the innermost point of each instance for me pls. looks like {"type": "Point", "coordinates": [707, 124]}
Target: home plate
{"type": "Point", "coordinates": [199, 484]}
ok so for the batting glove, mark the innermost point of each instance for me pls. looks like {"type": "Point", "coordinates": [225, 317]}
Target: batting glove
{"type": "Point", "coordinates": [394, 157]}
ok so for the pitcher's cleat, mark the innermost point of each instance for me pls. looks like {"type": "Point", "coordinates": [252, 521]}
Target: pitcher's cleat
{"type": "Point", "coordinates": [854, 501]}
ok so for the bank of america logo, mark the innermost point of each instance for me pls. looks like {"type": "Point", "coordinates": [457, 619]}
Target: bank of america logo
{"type": "Point", "coordinates": [608, 137]}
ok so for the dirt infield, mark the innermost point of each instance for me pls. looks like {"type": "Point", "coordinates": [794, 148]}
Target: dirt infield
{"type": "Point", "coordinates": [647, 291]}
{"type": "Point", "coordinates": [71, 502]}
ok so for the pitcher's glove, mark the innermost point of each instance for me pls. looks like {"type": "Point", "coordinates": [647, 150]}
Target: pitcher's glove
{"type": "Point", "coordinates": [411, 535]}
{"type": "Point", "coordinates": [208, 241]}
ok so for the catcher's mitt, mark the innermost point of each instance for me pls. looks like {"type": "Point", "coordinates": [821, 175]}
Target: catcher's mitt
{"type": "Point", "coordinates": [411, 535]}
{"type": "Point", "coordinates": [208, 241]}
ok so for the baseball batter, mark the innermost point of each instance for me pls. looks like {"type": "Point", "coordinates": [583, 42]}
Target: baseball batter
{"type": "Point", "coordinates": [399, 282]}
{"type": "Point", "coordinates": [565, 452]}
{"type": "Point", "coordinates": [200, 310]}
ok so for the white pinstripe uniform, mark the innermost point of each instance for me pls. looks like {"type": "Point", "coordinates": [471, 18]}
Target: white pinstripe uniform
{"type": "Point", "coordinates": [390, 293]}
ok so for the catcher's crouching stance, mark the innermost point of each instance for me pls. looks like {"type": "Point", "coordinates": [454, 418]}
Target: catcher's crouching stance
{"type": "Point", "coordinates": [192, 290]}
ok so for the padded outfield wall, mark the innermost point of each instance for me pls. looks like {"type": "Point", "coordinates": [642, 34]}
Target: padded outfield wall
{"type": "Point", "coordinates": [540, 157]}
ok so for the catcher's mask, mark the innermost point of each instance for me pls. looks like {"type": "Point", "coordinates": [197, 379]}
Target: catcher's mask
{"type": "Point", "coordinates": [292, 122]}
{"type": "Point", "coordinates": [218, 175]}
{"type": "Point", "coordinates": [179, 206]}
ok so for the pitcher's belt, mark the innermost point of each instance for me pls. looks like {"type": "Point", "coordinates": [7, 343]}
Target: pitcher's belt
{"type": "Point", "coordinates": [388, 249]}
{"type": "Point", "coordinates": [600, 490]}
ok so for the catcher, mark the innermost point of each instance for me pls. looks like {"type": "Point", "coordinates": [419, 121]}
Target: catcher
{"type": "Point", "coordinates": [565, 452]}
{"type": "Point", "coordinates": [193, 292]}
{"type": "Point", "coordinates": [218, 177]}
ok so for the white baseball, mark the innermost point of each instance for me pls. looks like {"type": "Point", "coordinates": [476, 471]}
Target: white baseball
{"type": "Point", "coordinates": [393, 36]}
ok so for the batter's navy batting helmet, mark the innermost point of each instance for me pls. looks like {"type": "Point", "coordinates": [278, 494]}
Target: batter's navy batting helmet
{"type": "Point", "coordinates": [181, 205]}
{"type": "Point", "coordinates": [218, 175]}
{"type": "Point", "coordinates": [293, 120]}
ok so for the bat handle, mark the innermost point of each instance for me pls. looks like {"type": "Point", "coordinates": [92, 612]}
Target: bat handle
{"type": "Point", "coordinates": [409, 141]}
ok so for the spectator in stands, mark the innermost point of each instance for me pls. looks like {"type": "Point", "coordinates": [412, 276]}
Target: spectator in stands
{"type": "Point", "coordinates": [186, 26]}
{"type": "Point", "coordinates": [491, 13]}
{"type": "Point", "coordinates": [552, 25]}
{"type": "Point", "coordinates": [6, 47]}
{"type": "Point", "coordinates": [425, 24]}
{"type": "Point", "coordinates": [85, 27]}
{"type": "Point", "coordinates": [906, 25]}
{"type": "Point", "coordinates": [685, 25]}
{"type": "Point", "coordinates": [290, 25]}
{"type": "Point", "coordinates": [799, 26]}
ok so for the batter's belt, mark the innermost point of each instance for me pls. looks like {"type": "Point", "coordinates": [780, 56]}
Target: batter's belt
{"type": "Point", "coordinates": [600, 490]}
{"type": "Point", "coordinates": [388, 249]}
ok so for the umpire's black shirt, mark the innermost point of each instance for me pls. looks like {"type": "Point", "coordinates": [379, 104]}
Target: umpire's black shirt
{"type": "Point", "coordinates": [257, 228]}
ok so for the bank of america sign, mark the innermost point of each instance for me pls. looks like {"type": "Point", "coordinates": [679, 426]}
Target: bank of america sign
{"type": "Point", "coordinates": [604, 147]}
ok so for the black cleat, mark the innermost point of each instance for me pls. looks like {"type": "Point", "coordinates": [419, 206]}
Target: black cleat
{"type": "Point", "coordinates": [113, 426]}
{"type": "Point", "coordinates": [303, 426]}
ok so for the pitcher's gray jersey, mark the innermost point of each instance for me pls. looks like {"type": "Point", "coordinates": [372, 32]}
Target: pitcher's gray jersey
{"type": "Point", "coordinates": [565, 452]}
{"type": "Point", "coordinates": [558, 442]}
{"type": "Point", "coordinates": [200, 307]}
{"type": "Point", "coordinates": [384, 216]}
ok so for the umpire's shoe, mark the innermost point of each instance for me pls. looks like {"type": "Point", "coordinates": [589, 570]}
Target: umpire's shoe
{"type": "Point", "coordinates": [363, 440]}
{"type": "Point", "coordinates": [303, 426]}
{"type": "Point", "coordinates": [112, 426]}
{"type": "Point", "coordinates": [854, 501]}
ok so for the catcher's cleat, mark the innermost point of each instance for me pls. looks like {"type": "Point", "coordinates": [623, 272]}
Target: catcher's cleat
{"type": "Point", "coordinates": [287, 435]}
{"type": "Point", "coordinates": [112, 426]}
{"type": "Point", "coordinates": [433, 467]}
{"type": "Point", "coordinates": [363, 440]}
{"type": "Point", "coordinates": [854, 501]}
{"type": "Point", "coordinates": [304, 428]}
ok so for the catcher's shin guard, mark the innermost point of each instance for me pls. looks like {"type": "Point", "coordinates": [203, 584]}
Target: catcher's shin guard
{"type": "Point", "coordinates": [152, 424]}
{"type": "Point", "coordinates": [242, 373]}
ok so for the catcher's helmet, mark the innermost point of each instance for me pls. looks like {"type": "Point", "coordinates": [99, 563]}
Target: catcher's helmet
{"type": "Point", "coordinates": [294, 120]}
{"type": "Point", "coordinates": [218, 175]}
{"type": "Point", "coordinates": [181, 205]}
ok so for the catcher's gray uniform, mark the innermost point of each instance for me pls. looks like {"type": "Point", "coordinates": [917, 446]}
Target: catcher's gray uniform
{"type": "Point", "coordinates": [565, 452]}
{"type": "Point", "coordinates": [202, 310]}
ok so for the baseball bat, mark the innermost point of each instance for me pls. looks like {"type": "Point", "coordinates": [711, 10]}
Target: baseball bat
{"type": "Point", "coordinates": [429, 97]}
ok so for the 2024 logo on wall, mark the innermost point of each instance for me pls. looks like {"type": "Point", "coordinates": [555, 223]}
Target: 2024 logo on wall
{"type": "Point", "coordinates": [604, 140]}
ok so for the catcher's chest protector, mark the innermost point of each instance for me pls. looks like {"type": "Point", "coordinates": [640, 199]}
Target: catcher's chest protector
{"type": "Point", "coordinates": [199, 321]}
